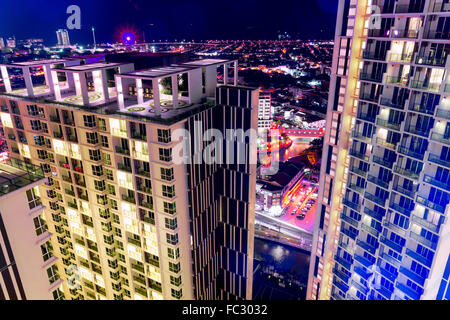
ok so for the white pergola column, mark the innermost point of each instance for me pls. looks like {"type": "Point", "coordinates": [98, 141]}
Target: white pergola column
{"type": "Point", "coordinates": [195, 85]}
{"type": "Point", "coordinates": [56, 88]}
{"type": "Point", "coordinates": [100, 84]}
{"type": "Point", "coordinates": [5, 77]}
{"type": "Point", "coordinates": [120, 94]}
{"type": "Point", "coordinates": [81, 86]}
{"type": "Point", "coordinates": [175, 90]}
{"type": "Point", "coordinates": [156, 96]}
{"type": "Point", "coordinates": [28, 82]}
{"type": "Point", "coordinates": [140, 91]}
{"type": "Point", "coordinates": [49, 77]}
{"type": "Point", "coordinates": [211, 81]}
{"type": "Point", "coordinates": [225, 74]}
{"type": "Point", "coordinates": [236, 70]}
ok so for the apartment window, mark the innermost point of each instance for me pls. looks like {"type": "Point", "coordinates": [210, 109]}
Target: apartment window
{"type": "Point", "coordinates": [169, 207]}
{"type": "Point", "coordinates": [171, 223]}
{"type": "Point", "coordinates": [113, 204]}
{"type": "Point", "coordinates": [109, 174]}
{"type": "Point", "coordinates": [102, 124]}
{"type": "Point", "coordinates": [176, 281]}
{"type": "Point", "coordinates": [106, 158]}
{"type": "Point", "coordinates": [168, 191]}
{"type": "Point", "coordinates": [39, 225]}
{"type": "Point", "coordinates": [52, 274]}
{"type": "Point", "coordinates": [104, 140]}
{"type": "Point", "coordinates": [46, 249]}
{"type": "Point", "coordinates": [172, 238]}
{"type": "Point", "coordinates": [89, 121]}
{"type": "Point", "coordinates": [177, 294]}
{"type": "Point", "coordinates": [174, 267]}
{"type": "Point", "coordinates": [164, 135]}
{"type": "Point", "coordinates": [118, 232]}
{"type": "Point", "coordinates": [36, 125]}
{"type": "Point", "coordinates": [173, 253]}
{"type": "Point", "coordinates": [167, 174]}
{"type": "Point", "coordinates": [92, 137]}
{"type": "Point", "coordinates": [116, 218]}
{"type": "Point", "coordinates": [58, 295]}
{"type": "Point", "coordinates": [99, 185]}
{"type": "Point", "coordinates": [111, 189]}
{"type": "Point", "coordinates": [97, 170]}
{"type": "Point", "coordinates": [165, 154]}
{"type": "Point", "coordinates": [33, 199]}
{"type": "Point", "coordinates": [95, 155]}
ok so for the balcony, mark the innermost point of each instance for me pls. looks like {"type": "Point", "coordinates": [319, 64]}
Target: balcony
{"type": "Point", "coordinates": [346, 264]}
{"type": "Point", "coordinates": [388, 103]}
{"type": "Point", "coordinates": [425, 85]}
{"type": "Point", "coordinates": [342, 286]}
{"type": "Point", "coordinates": [360, 271]}
{"type": "Point", "coordinates": [413, 276]}
{"type": "Point", "coordinates": [397, 207]}
{"type": "Point", "coordinates": [122, 151]}
{"type": "Point", "coordinates": [366, 246]}
{"type": "Point", "coordinates": [437, 160]}
{"type": "Point", "coordinates": [406, 58]}
{"type": "Point", "coordinates": [391, 244]}
{"type": "Point", "coordinates": [341, 275]}
{"type": "Point", "coordinates": [378, 181]}
{"type": "Point", "coordinates": [391, 276]}
{"type": "Point", "coordinates": [356, 170]}
{"type": "Point", "coordinates": [431, 61]}
{"type": "Point", "coordinates": [370, 230]}
{"type": "Point", "coordinates": [404, 191]}
{"type": "Point", "coordinates": [359, 136]}
{"type": "Point", "coordinates": [351, 204]}
{"type": "Point", "coordinates": [124, 167]}
{"type": "Point", "coordinates": [373, 55]}
{"type": "Point", "coordinates": [408, 291]}
{"type": "Point", "coordinates": [430, 204]}
{"type": "Point", "coordinates": [360, 287]}
{"type": "Point", "coordinates": [370, 77]}
{"type": "Point", "coordinates": [393, 227]}
{"type": "Point", "coordinates": [366, 116]}
{"type": "Point", "coordinates": [409, 34]}
{"type": "Point", "coordinates": [440, 6]}
{"type": "Point", "coordinates": [384, 162]}
{"type": "Point", "coordinates": [358, 154]}
{"type": "Point", "coordinates": [408, 152]}
{"type": "Point", "coordinates": [390, 259]}
{"type": "Point", "coordinates": [441, 113]}
{"type": "Point", "coordinates": [440, 138]}
{"type": "Point", "coordinates": [419, 257]}
{"type": "Point", "coordinates": [388, 125]}
{"type": "Point", "coordinates": [373, 214]}
{"type": "Point", "coordinates": [147, 205]}
{"type": "Point", "coordinates": [433, 181]}
{"type": "Point", "coordinates": [366, 263]}
{"type": "Point", "coordinates": [349, 220]}
{"type": "Point", "coordinates": [421, 109]}
{"type": "Point", "coordinates": [396, 80]}
{"type": "Point", "coordinates": [438, 35]}
{"type": "Point", "coordinates": [374, 198]}
{"type": "Point", "coordinates": [129, 199]}
{"type": "Point", "coordinates": [386, 143]}
{"type": "Point", "coordinates": [420, 131]}
{"type": "Point", "coordinates": [406, 172]}
{"type": "Point", "coordinates": [356, 188]}
{"type": "Point", "coordinates": [348, 233]}
{"type": "Point", "coordinates": [422, 240]}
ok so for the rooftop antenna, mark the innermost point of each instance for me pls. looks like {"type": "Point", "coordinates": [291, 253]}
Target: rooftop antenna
{"type": "Point", "coordinates": [93, 34]}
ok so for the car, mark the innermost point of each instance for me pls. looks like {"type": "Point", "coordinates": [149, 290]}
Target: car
{"type": "Point", "coordinates": [301, 216]}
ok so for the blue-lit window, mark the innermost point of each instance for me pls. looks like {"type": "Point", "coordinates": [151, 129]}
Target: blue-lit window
{"type": "Point", "coordinates": [397, 239]}
{"type": "Point", "coordinates": [429, 235]}
{"type": "Point", "coordinates": [369, 257]}
{"type": "Point", "coordinates": [425, 252]}
{"type": "Point", "coordinates": [394, 254]}
{"type": "Point", "coordinates": [387, 284]}
{"type": "Point", "coordinates": [438, 196]}
{"type": "Point", "coordinates": [401, 221]}
{"type": "Point", "coordinates": [419, 269]}
{"type": "Point", "coordinates": [372, 240]}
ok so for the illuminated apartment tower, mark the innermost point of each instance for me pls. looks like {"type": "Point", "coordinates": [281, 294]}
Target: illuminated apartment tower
{"type": "Point", "coordinates": [264, 110]}
{"type": "Point", "coordinates": [63, 37]}
{"type": "Point", "coordinates": [382, 225]}
{"type": "Point", "coordinates": [129, 220]}
{"type": "Point", "coordinates": [27, 263]}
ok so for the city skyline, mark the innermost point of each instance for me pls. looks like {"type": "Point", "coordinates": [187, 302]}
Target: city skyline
{"type": "Point", "coordinates": [170, 21]}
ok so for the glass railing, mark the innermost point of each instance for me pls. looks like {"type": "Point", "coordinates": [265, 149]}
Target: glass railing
{"type": "Point", "coordinates": [422, 109]}
{"type": "Point", "coordinates": [352, 205]}
{"type": "Point", "coordinates": [440, 184]}
{"type": "Point", "coordinates": [406, 172]}
{"type": "Point", "coordinates": [404, 191]}
{"type": "Point", "coordinates": [407, 151]}
{"type": "Point", "coordinates": [356, 170]}
{"type": "Point", "coordinates": [391, 244]}
{"type": "Point", "coordinates": [358, 154]}
{"type": "Point", "coordinates": [397, 207]}
{"type": "Point", "coordinates": [437, 159]}
{"type": "Point", "coordinates": [386, 143]}
{"type": "Point", "coordinates": [440, 138]}
{"type": "Point", "coordinates": [431, 61]}
{"type": "Point", "coordinates": [425, 85]}
{"type": "Point", "coordinates": [388, 103]}
{"type": "Point", "coordinates": [396, 57]}
{"type": "Point", "coordinates": [441, 113]}
{"type": "Point", "coordinates": [382, 161]}
{"type": "Point", "coordinates": [426, 224]}
{"type": "Point", "coordinates": [422, 240]}
{"type": "Point", "coordinates": [370, 77]}
{"type": "Point", "coordinates": [378, 181]}
{"type": "Point", "coordinates": [408, 291]}
{"type": "Point", "coordinates": [349, 220]}
{"type": "Point", "coordinates": [419, 257]}
{"type": "Point", "coordinates": [388, 124]}
{"type": "Point", "coordinates": [430, 204]}
{"type": "Point", "coordinates": [366, 246]}
{"type": "Point", "coordinates": [378, 216]}
{"type": "Point", "coordinates": [376, 199]}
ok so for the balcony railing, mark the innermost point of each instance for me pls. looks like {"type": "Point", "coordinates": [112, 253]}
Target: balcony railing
{"type": "Point", "coordinates": [431, 61]}
{"type": "Point", "coordinates": [407, 151]}
{"type": "Point", "coordinates": [391, 244]}
{"type": "Point", "coordinates": [419, 257]}
{"type": "Point", "coordinates": [433, 181]}
{"type": "Point", "coordinates": [378, 216]}
{"type": "Point", "coordinates": [425, 223]}
{"type": "Point", "coordinates": [437, 159]}
{"type": "Point", "coordinates": [441, 113]}
{"type": "Point", "coordinates": [376, 199]}
{"type": "Point", "coordinates": [425, 85]}
{"type": "Point", "coordinates": [430, 204]}
{"type": "Point", "coordinates": [388, 124]}
{"type": "Point", "coordinates": [358, 154]}
{"type": "Point", "coordinates": [422, 240]}
{"type": "Point", "coordinates": [406, 172]}
{"type": "Point", "coordinates": [440, 138]}
{"type": "Point", "coordinates": [370, 77]}
{"type": "Point", "coordinates": [378, 181]}
{"type": "Point", "coordinates": [388, 103]}
{"type": "Point", "coordinates": [386, 143]}
{"type": "Point", "coordinates": [382, 161]}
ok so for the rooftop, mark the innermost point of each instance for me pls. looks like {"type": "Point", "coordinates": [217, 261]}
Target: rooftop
{"type": "Point", "coordinates": [35, 63]}
{"type": "Point", "coordinates": [16, 174]}
{"type": "Point", "coordinates": [89, 67]}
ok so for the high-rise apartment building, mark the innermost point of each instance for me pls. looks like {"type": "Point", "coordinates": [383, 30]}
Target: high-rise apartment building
{"type": "Point", "coordinates": [63, 37]}
{"type": "Point", "coordinates": [265, 110]}
{"type": "Point", "coordinates": [27, 263]}
{"type": "Point", "coordinates": [129, 219]}
{"type": "Point", "coordinates": [2, 43]}
{"type": "Point", "coordinates": [382, 225]}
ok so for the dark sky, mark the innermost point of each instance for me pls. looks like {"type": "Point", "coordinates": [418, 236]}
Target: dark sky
{"type": "Point", "coordinates": [170, 19]}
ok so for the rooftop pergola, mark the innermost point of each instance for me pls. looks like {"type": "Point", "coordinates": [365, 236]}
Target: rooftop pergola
{"type": "Point", "coordinates": [79, 84]}
{"type": "Point", "coordinates": [25, 67]}
{"type": "Point", "coordinates": [194, 71]}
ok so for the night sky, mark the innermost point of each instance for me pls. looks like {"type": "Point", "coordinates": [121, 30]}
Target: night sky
{"type": "Point", "coordinates": [170, 19]}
